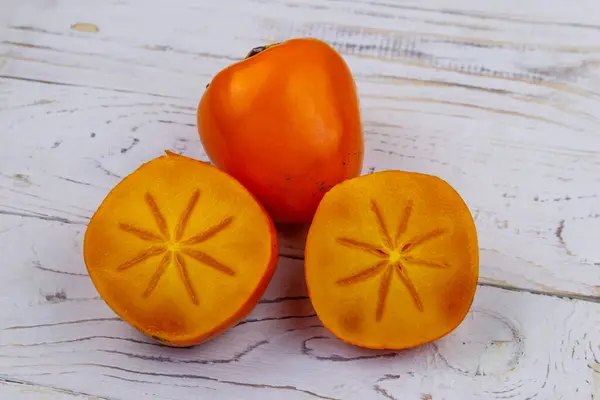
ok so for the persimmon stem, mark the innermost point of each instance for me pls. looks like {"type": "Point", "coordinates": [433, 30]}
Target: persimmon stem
{"type": "Point", "coordinates": [259, 49]}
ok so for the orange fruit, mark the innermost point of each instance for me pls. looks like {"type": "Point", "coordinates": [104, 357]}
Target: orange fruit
{"type": "Point", "coordinates": [392, 260]}
{"type": "Point", "coordinates": [285, 122]}
{"type": "Point", "coordinates": [180, 250]}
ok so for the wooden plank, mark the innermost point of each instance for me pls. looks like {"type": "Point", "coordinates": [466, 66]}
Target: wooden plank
{"type": "Point", "coordinates": [509, 119]}
{"type": "Point", "coordinates": [517, 344]}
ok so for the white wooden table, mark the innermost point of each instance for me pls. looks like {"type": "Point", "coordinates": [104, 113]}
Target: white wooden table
{"type": "Point", "coordinates": [500, 98]}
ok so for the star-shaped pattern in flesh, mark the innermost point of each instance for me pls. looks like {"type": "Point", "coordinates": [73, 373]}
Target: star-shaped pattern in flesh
{"type": "Point", "coordinates": [173, 246]}
{"type": "Point", "coordinates": [394, 255]}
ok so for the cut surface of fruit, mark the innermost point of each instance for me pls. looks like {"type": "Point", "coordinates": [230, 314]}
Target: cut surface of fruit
{"type": "Point", "coordinates": [180, 250]}
{"type": "Point", "coordinates": [392, 260]}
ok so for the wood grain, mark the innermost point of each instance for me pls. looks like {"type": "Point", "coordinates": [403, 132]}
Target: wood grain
{"type": "Point", "coordinates": [500, 99]}
{"type": "Point", "coordinates": [509, 344]}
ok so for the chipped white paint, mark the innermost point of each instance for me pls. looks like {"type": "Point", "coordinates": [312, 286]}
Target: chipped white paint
{"type": "Point", "coordinates": [501, 99]}
{"type": "Point", "coordinates": [84, 27]}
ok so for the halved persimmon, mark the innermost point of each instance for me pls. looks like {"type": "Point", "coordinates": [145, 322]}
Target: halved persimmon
{"type": "Point", "coordinates": [392, 260]}
{"type": "Point", "coordinates": [180, 250]}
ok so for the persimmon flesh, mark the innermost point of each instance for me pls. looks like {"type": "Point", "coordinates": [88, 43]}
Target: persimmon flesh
{"type": "Point", "coordinates": [392, 260]}
{"type": "Point", "coordinates": [285, 122]}
{"type": "Point", "coordinates": [180, 250]}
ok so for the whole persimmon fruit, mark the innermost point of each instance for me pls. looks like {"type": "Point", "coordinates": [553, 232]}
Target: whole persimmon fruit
{"type": "Point", "coordinates": [285, 122]}
{"type": "Point", "coordinates": [180, 250]}
{"type": "Point", "coordinates": [392, 260]}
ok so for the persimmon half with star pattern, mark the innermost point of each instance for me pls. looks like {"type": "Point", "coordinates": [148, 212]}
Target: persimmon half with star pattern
{"type": "Point", "coordinates": [180, 250]}
{"type": "Point", "coordinates": [392, 260]}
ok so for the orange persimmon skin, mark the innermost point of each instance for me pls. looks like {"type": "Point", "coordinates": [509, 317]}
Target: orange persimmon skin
{"type": "Point", "coordinates": [180, 250]}
{"type": "Point", "coordinates": [286, 124]}
{"type": "Point", "coordinates": [392, 260]}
